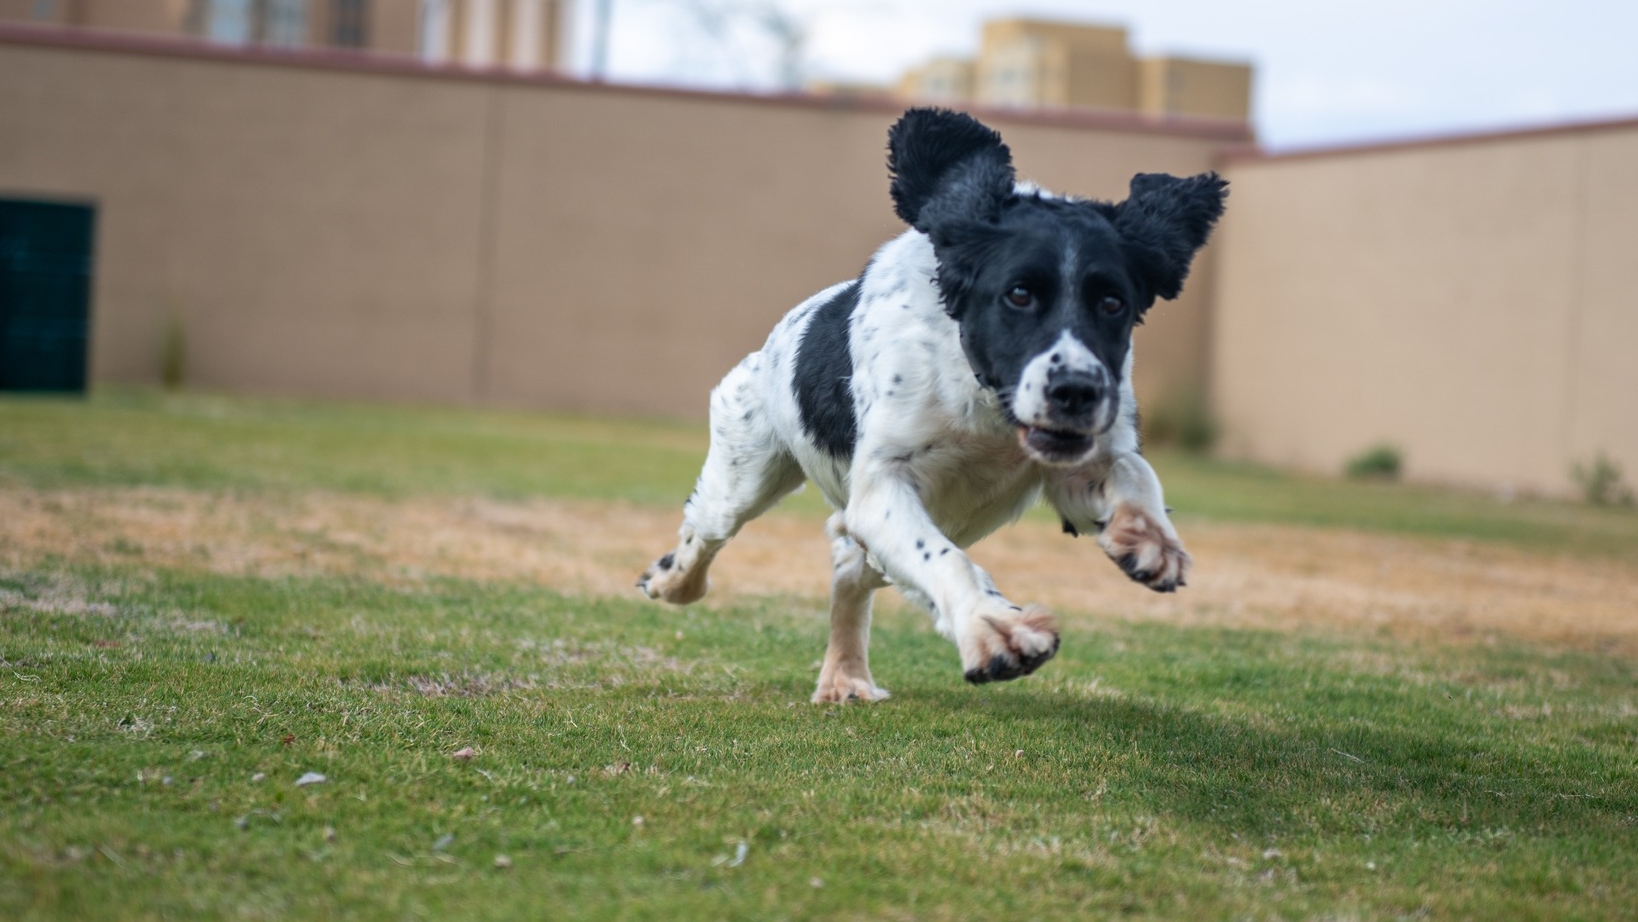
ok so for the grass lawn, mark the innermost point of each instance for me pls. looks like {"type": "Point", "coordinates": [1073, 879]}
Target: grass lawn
{"type": "Point", "coordinates": [621, 760]}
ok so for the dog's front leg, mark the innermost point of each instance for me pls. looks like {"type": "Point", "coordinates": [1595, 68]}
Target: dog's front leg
{"type": "Point", "coordinates": [1124, 506]}
{"type": "Point", "coordinates": [997, 639]}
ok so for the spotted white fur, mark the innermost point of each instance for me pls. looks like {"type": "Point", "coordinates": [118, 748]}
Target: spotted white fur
{"type": "Point", "coordinates": [944, 444]}
{"type": "Point", "coordinates": [937, 466]}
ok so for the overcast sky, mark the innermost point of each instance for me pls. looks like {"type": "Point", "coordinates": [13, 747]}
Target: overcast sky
{"type": "Point", "coordinates": [1326, 72]}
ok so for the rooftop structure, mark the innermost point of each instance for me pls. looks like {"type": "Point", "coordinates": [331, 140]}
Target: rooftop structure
{"type": "Point", "coordinates": [517, 34]}
{"type": "Point", "coordinates": [1028, 63]}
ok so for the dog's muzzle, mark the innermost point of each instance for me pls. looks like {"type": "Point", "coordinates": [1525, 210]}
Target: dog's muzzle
{"type": "Point", "coordinates": [1076, 406]}
{"type": "Point", "coordinates": [1073, 397]}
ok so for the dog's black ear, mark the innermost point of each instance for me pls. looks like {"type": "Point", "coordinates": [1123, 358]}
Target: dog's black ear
{"type": "Point", "coordinates": [947, 166]}
{"type": "Point", "coordinates": [1166, 220]}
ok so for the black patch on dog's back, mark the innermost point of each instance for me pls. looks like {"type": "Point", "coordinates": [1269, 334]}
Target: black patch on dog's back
{"type": "Point", "coordinates": [823, 377]}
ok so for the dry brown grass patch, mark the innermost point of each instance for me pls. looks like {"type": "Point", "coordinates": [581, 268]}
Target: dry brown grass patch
{"type": "Point", "coordinates": [1245, 575]}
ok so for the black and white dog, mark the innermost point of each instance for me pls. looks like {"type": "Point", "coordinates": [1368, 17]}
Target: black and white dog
{"type": "Point", "coordinates": [982, 359]}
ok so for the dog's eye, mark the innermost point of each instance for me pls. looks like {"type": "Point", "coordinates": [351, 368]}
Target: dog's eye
{"type": "Point", "coordinates": [1111, 305]}
{"type": "Point", "coordinates": [1019, 296]}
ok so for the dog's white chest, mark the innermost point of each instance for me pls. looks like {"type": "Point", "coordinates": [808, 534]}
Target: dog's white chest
{"type": "Point", "coordinates": [971, 487]}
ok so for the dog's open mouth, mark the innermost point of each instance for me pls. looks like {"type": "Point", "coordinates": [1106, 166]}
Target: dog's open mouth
{"type": "Point", "coordinates": [1055, 444]}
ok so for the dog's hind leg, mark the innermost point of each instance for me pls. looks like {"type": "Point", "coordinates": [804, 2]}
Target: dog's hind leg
{"type": "Point", "coordinates": [747, 470]}
{"type": "Point", "coordinates": [845, 675]}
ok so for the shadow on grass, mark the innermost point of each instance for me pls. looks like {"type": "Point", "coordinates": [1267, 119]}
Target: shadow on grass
{"type": "Point", "coordinates": [1328, 777]}
{"type": "Point", "coordinates": [1257, 737]}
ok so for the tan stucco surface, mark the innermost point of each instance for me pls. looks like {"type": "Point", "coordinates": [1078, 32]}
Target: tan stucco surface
{"type": "Point", "coordinates": [358, 230]}
{"type": "Point", "coordinates": [1467, 303]}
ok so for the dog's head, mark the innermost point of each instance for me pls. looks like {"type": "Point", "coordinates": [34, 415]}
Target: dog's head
{"type": "Point", "coordinates": [1046, 290]}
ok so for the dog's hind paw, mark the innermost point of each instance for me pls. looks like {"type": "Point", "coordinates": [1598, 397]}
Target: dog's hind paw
{"type": "Point", "coordinates": [1008, 642]}
{"type": "Point", "coordinates": [1145, 549]}
{"type": "Point", "coordinates": [668, 581]}
{"type": "Point", "coordinates": [839, 687]}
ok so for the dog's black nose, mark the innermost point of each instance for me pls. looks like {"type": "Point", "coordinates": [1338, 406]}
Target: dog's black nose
{"type": "Point", "coordinates": [1074, 394]}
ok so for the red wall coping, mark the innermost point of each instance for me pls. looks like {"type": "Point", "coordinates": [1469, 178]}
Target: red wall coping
{"type": "Point", "coordinates": [1251, 153]}
{"type": "Point", "coordinates": [1229, 131]}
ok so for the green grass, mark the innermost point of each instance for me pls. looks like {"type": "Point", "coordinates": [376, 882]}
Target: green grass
{"type": "Point", "coordinates": [1150, 772]}
{"type": "Point", "coordinates": [153, 722]}
{"type": "Point", "coordinates": [203, 442]}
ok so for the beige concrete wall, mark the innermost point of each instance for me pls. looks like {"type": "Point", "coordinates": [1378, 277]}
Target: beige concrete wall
{"type": "Point", "coordinates": [360, 230]}
{"type": "Point", "coordinates": [688, 249]}
{"type": "Point", "coordinates": [312, 240]}
{"type": "Point", "coordinates": [1602, 413]}
{"type": "Point", "coordinates": [673, 249]}
{"type": "Point", "coordinates": [1467, 302]}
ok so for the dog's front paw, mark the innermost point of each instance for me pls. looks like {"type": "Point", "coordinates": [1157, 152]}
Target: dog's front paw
{"type": "Point", "coordinates": [669, 581]}
{"type": "Point", "coordinates": [1005, 642]}
{"type": "Point", "coordinates": [1145, 549]}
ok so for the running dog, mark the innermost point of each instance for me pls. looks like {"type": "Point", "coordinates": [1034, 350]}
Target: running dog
{"type": "Point", "coordinates": [982, 360]}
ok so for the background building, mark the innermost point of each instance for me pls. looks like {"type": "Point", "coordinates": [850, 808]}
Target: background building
{"type": "Point", "coordinates": [945, 79]}
{"type": "Point", "coordinates": [1026, 63]}
{"type": "Point", "coordinates": [370, 227]}
{"type": "Point", "coordinates": [519, 34]}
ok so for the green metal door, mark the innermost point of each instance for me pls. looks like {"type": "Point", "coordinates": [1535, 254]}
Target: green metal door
{"type": "Point", "coordinates": [45, 294]}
